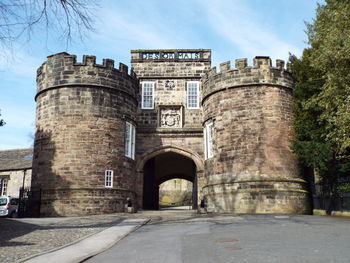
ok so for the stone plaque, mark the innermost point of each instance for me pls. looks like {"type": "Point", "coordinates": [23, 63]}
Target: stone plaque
{"type": "Point", "coordinates": [171, 117]}
{"type": "Point", "coordinates": [170, 84]}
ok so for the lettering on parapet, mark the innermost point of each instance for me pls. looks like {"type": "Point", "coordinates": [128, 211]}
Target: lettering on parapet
{"type": "Point", "coordinates": [171, 55]}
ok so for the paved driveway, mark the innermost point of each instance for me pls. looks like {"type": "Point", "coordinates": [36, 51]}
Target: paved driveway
{"type": "Point", "coordinates": [247, 238]}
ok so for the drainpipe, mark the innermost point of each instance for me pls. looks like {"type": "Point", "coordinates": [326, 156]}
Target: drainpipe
{"type": "Point", "coordinates": [24, 177]}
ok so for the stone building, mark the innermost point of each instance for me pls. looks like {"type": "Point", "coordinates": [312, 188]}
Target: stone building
{"type": "Point", "coordinates": [107, 135]}
{"type": "Point", "coordinates": [175, 192]}
{"type": "Point", "coordinates": [15, 171]}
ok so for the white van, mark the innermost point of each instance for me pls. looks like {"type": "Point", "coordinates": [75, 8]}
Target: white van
{"type": "Point", "coordinates": [9, 206]}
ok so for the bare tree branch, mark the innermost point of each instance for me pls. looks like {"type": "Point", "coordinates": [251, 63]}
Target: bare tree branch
{"type": "Point", "coordinates": [64, 19]}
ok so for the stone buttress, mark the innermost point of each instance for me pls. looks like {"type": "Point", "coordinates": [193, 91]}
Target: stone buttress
{"type": "Point", "coordinates": [252, 169]}
{"type": "Point", "coordinates": [81, 113]}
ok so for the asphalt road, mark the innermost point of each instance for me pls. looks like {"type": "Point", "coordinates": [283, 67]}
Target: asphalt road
{"type": "Point", "coordinates": [247, 238]}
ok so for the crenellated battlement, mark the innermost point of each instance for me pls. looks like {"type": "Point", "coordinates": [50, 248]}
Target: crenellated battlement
{"type": "Point", "coordinates": [261, 73]}
{"type": "Point", "coordinates": [88, 60]}
{"type": "Point", "coordinates": [63, 69]}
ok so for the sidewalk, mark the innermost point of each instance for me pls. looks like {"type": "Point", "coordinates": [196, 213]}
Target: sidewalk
{"type": "Point", "coordinates": [90, 246]}
{"type": "Point", "coordinates": [24, 238]}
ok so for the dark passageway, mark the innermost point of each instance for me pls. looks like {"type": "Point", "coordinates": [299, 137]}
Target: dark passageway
{"type": "Point", "coordinates": [162, 168]}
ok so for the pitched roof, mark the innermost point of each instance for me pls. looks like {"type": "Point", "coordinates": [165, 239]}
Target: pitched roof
{"type": "Point", "coordinates": [17, 159]}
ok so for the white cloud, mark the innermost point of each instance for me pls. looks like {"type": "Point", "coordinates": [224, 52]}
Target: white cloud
{"type": "Point", "coordinates": [238, 24]}
{"type": "Point", "coordinates": [18, 64]}
{"type": "Point", "coordinates": [15, 143]}
{"type": "Point", "coordinates": [15, 133]}
{"type": "Point", "coordinates": [15, 138]}
{"type": "Point", "coordinates": [133, 31]}
{"type": "Point", "coordinates": [18, 117]}
{"type": "Point", "coordinates": [144, 31]}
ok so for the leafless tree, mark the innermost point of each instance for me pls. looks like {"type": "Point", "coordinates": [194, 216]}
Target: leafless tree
{"type": "Point", "coordinates": [64, 19]}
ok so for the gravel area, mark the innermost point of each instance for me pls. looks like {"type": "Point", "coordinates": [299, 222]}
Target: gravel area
{"type": "Point", "coordinates": [23, 238]}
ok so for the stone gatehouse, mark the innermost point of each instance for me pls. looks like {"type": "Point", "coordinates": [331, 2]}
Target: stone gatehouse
{"type": "Point", "coordinates": [107, 135]}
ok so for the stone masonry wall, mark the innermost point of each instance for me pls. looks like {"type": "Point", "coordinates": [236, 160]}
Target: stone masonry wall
{"type": "Point", "coordinates": [253, 169]}
{"type": "Point", "coordinates": [175, 192]}
{"type": "Point", "coordinates": [163, 71]}
{"type": "Point", "coordinates": [15, 180]}
{"type": "Point", "coordinates": [150, 134]}
{"type": "Point", "coordinates": [80, 120]}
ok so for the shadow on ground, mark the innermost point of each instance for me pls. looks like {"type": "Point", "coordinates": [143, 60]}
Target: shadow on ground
{"type": "Point", "coordinates": [11, 229]}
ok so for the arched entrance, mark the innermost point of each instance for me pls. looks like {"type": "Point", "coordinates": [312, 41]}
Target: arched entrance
{"type": "Point", "coordinates": [163, 167]}
{"type": "Point", "coordinates": [177, 193]}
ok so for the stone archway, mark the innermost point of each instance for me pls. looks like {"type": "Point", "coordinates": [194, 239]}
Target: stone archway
{"type": "Point", "coordinates": [197, 159]}
{"type": "Point", "coordinates": [164, 164]}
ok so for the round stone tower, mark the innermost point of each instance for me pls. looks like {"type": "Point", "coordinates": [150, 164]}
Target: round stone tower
{"type": "Point", "coordinates": [81, 117]}
{"type": "Point", "coordinates": [248, 112]}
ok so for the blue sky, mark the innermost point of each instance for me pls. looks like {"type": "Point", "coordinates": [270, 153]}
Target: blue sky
{"type": "Point", "coordinates": [230, 28]}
